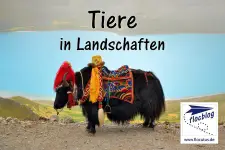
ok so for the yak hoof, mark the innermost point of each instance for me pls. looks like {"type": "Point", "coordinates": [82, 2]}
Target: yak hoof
{"type": "Point", "coordinates": [152, 126]}
{"type": "Point", "coordinates": [92, 131]}
{"type": "Point", "coordinates": [145, 125]}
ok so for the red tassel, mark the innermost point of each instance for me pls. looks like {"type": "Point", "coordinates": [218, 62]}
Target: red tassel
{"type": "Point", "coordinates": [65, 67]}
{"type": "Point", "coordinates": [71, 101]}
{"type": "Point", "coordinates": [100, 105]}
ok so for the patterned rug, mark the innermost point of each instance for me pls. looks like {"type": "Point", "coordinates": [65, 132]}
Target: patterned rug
{"type": "Point", "coordinates": [118, 84]}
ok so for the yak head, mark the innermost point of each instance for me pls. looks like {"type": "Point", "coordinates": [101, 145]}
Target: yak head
{"type": "Point", "coordinates": [81, 79]}
{"type": "Point", "coordinates": [62, 91]}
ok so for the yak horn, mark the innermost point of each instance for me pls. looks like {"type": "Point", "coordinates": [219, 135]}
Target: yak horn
{"type": "Point", "coordinates": [65, 83]}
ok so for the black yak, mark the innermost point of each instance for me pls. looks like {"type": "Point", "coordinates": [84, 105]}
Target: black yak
{"type": "Point", "coordinates": [149, 100]}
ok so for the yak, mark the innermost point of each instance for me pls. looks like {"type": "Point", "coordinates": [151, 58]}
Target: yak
{"type": "Point", "coordinates": [149, 100]}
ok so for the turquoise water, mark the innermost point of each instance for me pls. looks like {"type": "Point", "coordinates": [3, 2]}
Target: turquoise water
{"type": "Point", "coordinates": [190, 65]}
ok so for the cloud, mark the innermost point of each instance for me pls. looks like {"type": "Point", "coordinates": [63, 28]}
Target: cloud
{"type": "Point", "coordinates": [153, 17]}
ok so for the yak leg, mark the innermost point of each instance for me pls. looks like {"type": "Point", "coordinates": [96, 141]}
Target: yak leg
{"type": "Point", "coordinates": [87, 111]}
{"type": "Point", "coordinates": [88, 126]}
{"type": "Point", "coordinates": [146, 122]}
{"type": "Point", "coordinates": [92, 129]}
{"type": "Point", "coordinates": [146, 116]}
{"type": "Point", "coordinates": [149, 123]}
{"type": "Point", "coordinates": [94, 120]}
{"type": "Point", "coordinates": [88, 119]}
{"type": "Point", "coordinates": [152, 124]}
{"type": "Point", "coordinates": [92, 115]}
{"type": "Point", "coordinates": [84, 111]}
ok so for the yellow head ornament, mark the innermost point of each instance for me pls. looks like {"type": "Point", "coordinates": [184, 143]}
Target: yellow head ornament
{"type": "Point", "coordinates": [97, 61]}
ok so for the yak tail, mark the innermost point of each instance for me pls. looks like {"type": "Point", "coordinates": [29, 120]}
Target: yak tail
{"type": "Point", "coordinates": [157, 97]}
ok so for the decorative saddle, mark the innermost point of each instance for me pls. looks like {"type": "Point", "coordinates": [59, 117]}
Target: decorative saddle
{"type": "Point", "coordinates": [116, 84]}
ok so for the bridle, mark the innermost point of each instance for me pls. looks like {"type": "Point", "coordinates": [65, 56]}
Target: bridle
{"type": "Point", "coordinates": [82, 81]}
{"type": "Point", "coordinates": [74, 90]}
{"type": "Point", "coordinates": [60, 86]}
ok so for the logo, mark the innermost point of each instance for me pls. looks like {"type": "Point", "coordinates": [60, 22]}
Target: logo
{"type": "Point", "coordinates": [199, 123]}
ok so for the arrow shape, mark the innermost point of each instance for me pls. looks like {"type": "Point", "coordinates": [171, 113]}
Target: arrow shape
{"type": "Point", "coordinates": [198, 109]}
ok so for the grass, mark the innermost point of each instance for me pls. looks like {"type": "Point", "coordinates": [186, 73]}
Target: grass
{"type": "Point", "coordinates": [44, 108]}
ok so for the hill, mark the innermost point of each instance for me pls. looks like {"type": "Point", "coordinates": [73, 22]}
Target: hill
{"type": "Point", "coordinates": [38, 108]}
{"type": "Point", "coordinates": [10, 108]}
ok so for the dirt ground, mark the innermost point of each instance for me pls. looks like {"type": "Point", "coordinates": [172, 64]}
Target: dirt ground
{"type": "Point", "coordinates": [16, 135]}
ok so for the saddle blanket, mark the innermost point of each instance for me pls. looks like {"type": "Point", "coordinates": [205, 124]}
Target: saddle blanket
{"type": "Point", "coordinates": [118, 84]}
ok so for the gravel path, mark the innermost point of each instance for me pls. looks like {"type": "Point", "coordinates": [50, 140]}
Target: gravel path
{"type": "Point", "coordinates": [17, 135]}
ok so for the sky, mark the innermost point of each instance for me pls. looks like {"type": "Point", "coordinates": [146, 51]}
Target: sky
{"type": "Point", "coordinates": [190, 65]}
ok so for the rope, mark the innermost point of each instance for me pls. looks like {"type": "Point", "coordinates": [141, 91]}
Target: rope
{"type": "Point", "coordinates": [57, 112]}
{"type": "Point", "coordinates": [107, 98]}
{"type": "Point", "coordinates": [82, 81]}
{"type": "Point", "coordinates": [108, 93]}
